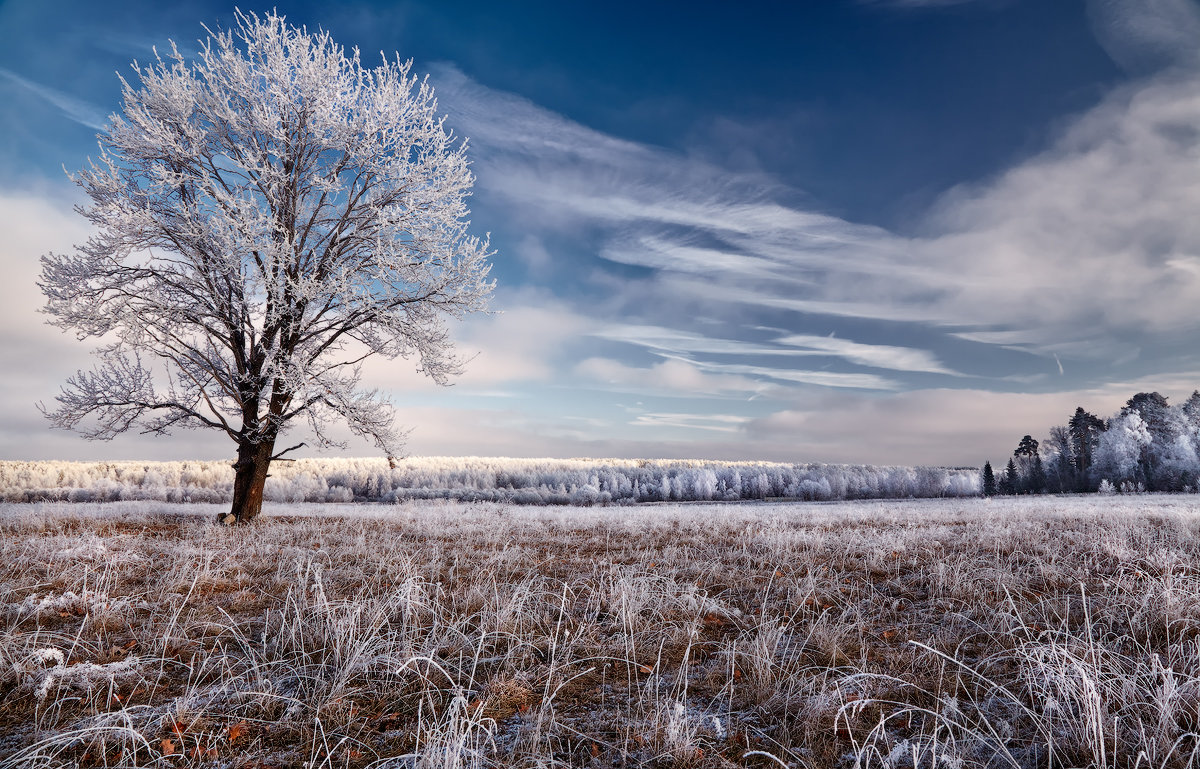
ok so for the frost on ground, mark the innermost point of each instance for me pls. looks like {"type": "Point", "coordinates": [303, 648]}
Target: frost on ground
{"type": "Point", "coordinates": [1028, 632]}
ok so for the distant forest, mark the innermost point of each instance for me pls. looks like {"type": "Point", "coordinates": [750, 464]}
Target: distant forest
{"type": "Point", "coordinates": [482, 479]}
{"type": "Point", "coordinates": [1149, 445]}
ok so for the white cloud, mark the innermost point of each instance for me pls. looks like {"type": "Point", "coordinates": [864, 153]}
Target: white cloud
{"type": "Point", "coordinates": [676, 342]}
{"type": "Point", "coordinates": [938, 426]}
{"type": "Point", "coordinates": [722, 423]}
{"type": "Point", "coordinates": [674, 377]}
{"type": "Point", "coordinates": [1059, 255]}
{"type": "Point", "coordinates": [80, 111]}
{"type": "Point", "coordinates": [874, 355]}
{"type": "Point", "coordinates": [533, 254]}
{"type": "Point", "coordinates": [520, 343]}
{"type": "Point", "coordinates": [1143, 35]}
{"type": "Point", "coordinates": [672, 343]}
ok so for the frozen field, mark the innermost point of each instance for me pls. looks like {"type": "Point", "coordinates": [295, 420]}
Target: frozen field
{"type": "Point", "coordinates": [1024, 632]}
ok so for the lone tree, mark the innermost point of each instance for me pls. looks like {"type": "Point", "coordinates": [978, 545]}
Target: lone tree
{"type": "Point", "coordinates": [269, 216]}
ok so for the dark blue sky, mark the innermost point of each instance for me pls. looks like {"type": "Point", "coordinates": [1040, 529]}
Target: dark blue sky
{"type": "Point", "coordinates": [776, 231]}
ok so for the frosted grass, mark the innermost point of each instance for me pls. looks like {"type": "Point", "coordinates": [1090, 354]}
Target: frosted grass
{"type": "Point", "coordinates": [1016, 632]}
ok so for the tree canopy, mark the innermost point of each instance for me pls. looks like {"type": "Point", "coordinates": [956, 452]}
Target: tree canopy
{"type": "Point", "coordinates": [269, 215]}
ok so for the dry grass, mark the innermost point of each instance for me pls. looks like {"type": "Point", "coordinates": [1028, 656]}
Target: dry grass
{"type": "Point", "coordinates": [945, 633]}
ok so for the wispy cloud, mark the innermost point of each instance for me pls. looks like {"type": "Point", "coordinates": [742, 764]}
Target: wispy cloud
{"type": "Point", "coordinates": [673, 342]}
{"type": "Point", "coordinates": [678, 342]}
{"type": "Point", "coordinates": [833, 379]}
{"type": "Point", "coordinates": [873, 355]}
{"type": "Point", "coordinates": [76, 109]}
{"type": "Point", "coordinates": [723, 423]}
{"type": "Point", "coordinates": [1145, 35]}
{"type": "Point", "coordinates": [1049, 257]}
{"type": "Point", "coordinates": [674, 376]}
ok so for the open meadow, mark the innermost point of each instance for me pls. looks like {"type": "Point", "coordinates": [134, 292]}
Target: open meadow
{"type": "Point", "coordinates": [1018, 632]}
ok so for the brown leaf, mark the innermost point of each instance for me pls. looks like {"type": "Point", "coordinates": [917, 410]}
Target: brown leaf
{"type": "Point", "coordinates": [168, 747]}
{"type": "Point", "coordinates": [237, 730]}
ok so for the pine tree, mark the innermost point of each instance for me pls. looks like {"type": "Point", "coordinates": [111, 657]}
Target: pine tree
{"type": "Point", "coordinates": [1028, 447]}
{"type": "Point", "coordinates": [989, 480]}
{"type": "Point", "coordinates": [1025, 453]}
{"type": "Point", "coordinates": [1085, 432]}
{"type": "Point", "coordinates": [1010, 480]}
{"type": "Point", "coordinates": [1037, 476]}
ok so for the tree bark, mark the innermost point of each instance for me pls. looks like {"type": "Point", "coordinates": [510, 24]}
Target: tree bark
{"type": "Point", "coordinates": [254, 459]}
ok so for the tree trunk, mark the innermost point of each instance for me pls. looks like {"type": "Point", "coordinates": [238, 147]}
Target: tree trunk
{"type": "Point", "coordinates": [250, 477]}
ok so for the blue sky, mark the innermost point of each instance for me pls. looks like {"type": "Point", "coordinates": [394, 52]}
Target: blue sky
{"type": "Point", "coordinates": [890, 231]}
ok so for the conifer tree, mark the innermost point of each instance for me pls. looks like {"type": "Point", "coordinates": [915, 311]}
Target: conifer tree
{"type": "Point", "coordinates": [989, 480]}
{"type": "Point", "coordinates": [1037, 476]}
{"type": "Point", "coordinates": [1010, 481]}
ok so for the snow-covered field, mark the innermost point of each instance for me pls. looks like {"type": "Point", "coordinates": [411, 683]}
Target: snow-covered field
{"type": "Point", "coordinates": [481, 479]}
{"type": "Point", "coordinates": [1023, 632]}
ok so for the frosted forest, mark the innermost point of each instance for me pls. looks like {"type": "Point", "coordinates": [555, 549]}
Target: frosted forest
{"type": "Point", "coordinates": [1148, 445]}
{"type": "Point", "coordinates": [472, 479]}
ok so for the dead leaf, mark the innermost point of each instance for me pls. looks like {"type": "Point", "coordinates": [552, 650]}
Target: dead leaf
{"type": "Point", "coordinates": [237, 730]}
{"type": "Point", "coordinates": [168, 747]}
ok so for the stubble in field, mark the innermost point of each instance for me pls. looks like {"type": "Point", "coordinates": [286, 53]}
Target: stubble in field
{"type": "Point", "coordinates": [949, 633]}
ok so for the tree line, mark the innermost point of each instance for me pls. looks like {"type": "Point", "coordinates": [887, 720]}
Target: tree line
{"type": "Point", "coordinates": [481, 479]}
{"type": "Point", "coordinates": [1148, 445]}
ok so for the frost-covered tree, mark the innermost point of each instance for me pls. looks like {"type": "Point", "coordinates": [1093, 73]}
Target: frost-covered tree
{"type": "Point", "coordinates": [1191, 411]}
{"type": "Point", "coordinates": [1060, 461]}
{"type": "Point", "coordinates": [1118, 456]}
{"type": "Point", "coordinates": [1168, 459]}
{"type": "Point", "coordinates": [269, 215]}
